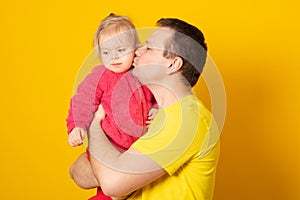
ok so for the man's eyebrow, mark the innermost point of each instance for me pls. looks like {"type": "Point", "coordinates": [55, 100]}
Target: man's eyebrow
{"type": "Point", "coordinates": [150, 44]}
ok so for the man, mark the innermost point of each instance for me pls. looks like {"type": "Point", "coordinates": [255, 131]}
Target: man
{"type": "Point", "coordinates": [176, 158]}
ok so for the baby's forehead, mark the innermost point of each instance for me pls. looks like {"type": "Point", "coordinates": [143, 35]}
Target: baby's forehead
{"type": "Point", "coordinates": [113, 39]}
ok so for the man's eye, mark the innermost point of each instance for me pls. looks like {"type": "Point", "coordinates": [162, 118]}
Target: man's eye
{"type": "Point", "coordinates": [147, 47]}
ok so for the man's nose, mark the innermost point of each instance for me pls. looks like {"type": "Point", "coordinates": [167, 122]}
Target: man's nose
{"type": "Point", "coordinates": [139, 51]}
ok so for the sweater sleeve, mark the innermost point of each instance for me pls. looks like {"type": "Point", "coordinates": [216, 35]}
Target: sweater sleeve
{"type": "Point", "coordinates": [86, 101]}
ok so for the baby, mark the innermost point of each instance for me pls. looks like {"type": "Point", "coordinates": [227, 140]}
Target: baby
{"type": "Point", "coordinates": [128, 105]}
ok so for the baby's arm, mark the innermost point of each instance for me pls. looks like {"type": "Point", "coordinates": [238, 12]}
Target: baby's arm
{"type": "Point", "coordinates": [76, 136]}
{"type": "Point", "coordinates": [86, 101]}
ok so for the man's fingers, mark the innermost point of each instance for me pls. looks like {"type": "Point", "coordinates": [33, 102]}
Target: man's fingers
{"type": "Point", "coordinates": [100, 113]}
{"type": "Point", "coordinates": [150, 117]}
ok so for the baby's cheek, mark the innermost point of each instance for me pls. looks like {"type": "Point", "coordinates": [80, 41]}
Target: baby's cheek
{"type": "Point", "coordinates": [106, 60]}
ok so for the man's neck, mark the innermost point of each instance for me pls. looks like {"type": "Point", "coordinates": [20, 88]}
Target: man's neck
{"type": "Point", "coordinates": [169, 94]}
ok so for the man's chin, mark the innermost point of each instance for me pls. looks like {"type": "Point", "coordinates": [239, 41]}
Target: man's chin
{"type": "Point", "coordinates": [135, 72]}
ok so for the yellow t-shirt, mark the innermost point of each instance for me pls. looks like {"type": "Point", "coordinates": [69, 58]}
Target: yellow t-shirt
{"type": "Point", "coordinates": [178, 141]}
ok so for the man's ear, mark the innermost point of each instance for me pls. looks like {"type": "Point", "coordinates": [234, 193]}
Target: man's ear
{"type": "Point", "coordinates": [176, 64]}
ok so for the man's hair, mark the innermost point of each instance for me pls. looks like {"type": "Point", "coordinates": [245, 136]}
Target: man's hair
{"type": "Point", "coordinates": [115, 24]}
{"type": "Point", "coordinates": [188, 43]}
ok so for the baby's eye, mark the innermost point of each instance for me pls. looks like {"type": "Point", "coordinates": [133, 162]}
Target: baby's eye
{"type": "Point", "coordinates": [105, 52]}
{"type": "Point", "coordinates": [121, 50]}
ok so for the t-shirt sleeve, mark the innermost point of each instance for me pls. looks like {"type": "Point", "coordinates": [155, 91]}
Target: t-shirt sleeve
{"type": "Point", "coordinates": [173, 139]}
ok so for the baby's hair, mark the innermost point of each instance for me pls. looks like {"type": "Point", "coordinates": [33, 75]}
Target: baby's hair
{"type": "Point", "coordinates": [116, 24]}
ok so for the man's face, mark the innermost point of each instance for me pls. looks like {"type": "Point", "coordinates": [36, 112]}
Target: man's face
{"type": "Point", "coordinates": [150, 65]}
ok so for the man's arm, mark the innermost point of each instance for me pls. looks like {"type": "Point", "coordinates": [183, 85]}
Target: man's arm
{"type": "Point", "coordinates": [119, 173]}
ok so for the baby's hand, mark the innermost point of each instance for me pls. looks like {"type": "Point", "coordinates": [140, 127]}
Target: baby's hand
{"type": "Point", "coordinates": [151, 115]}
{"type": "Point", "coordinates": [76, 136]}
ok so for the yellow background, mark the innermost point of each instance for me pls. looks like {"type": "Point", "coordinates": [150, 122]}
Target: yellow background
{"type": "Point", "coordinates": [255, 45]}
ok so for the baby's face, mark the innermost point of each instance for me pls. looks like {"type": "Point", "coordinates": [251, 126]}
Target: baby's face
{"type": "Point", "coordinates": [117, 51]}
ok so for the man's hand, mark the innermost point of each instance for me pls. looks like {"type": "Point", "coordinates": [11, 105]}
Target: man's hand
{"type": "Point", "coordinates": [152, 113]}
{"type": "Point", "coordinates": [100, 113]}
{"type": "Point", "coordinates": [95, 124]}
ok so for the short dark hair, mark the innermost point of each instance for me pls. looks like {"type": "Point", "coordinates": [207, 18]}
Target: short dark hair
{"type": "Point", "coordinates": [188, 42]}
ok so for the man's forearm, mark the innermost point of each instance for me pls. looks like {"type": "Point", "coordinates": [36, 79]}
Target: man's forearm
{"type": "Point", "coordinates": [117, 173]}
{"type": "Point", "coordinates": [104, 158]}
{"type": "Point", "coordinates": [100, 148]}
